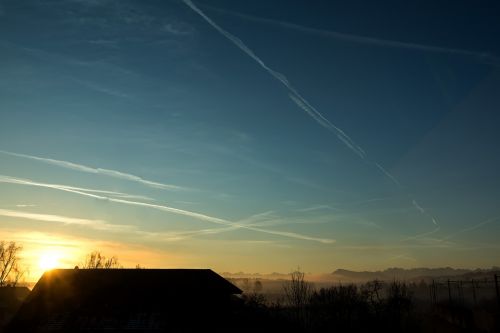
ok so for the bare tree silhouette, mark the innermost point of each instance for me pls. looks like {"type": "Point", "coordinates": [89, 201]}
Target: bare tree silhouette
{"type": "Point", "coordinates": [96, 260]}
{"type": "Point", "coordinates": [298, 294]}
{"type": "Point", "coordinates": [10, 270]}
{"type": "Point", "coordinates": [297, 291]}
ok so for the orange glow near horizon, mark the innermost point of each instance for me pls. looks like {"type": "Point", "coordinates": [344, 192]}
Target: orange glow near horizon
{"type": "Point", "coordinates": [44, 251]}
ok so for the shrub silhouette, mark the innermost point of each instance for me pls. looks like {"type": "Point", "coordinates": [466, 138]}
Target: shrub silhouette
{"type": "Point", "coordinates": [339, 307]}
{"type": "Point", "coordinates": [398, 305]}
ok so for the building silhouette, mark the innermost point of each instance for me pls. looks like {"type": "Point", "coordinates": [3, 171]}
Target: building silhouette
{"type": "Point", "coordinates": [128, 300]}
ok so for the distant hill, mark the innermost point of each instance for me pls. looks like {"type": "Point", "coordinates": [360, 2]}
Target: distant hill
{"type": "Point", "coordinates": [344, 275]}
{"type": "Point", "coordinates": [260, 276]}
{"type": "Point", "coordinates": [413, 274]}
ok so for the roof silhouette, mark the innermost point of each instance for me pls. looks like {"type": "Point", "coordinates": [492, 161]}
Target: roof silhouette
{"type": "Point", "coordinates": [165, 280]}
{"type": "Point", "coordinates": [66, 300]}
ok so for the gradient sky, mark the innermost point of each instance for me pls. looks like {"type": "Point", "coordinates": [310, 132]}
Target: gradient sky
{"type": "Point", "coordinates": [251, 135]}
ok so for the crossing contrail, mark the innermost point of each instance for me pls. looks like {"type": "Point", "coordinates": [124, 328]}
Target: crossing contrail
{"type": "Point", "coordinates": [177, 211]}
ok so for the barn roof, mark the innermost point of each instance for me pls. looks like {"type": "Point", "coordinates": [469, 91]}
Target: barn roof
{"type": "Point", "coordinates": [165, 281]}
{"type": "Point", "coordinates": [66, 300]}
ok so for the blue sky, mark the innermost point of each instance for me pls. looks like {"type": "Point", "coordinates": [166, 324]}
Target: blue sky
{"type": "Point", "coordinates": [251, 136]}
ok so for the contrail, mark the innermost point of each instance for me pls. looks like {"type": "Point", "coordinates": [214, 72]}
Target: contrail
{"type": "Point", "coordinates": [178, 235]}
{"type": "Point", "coordinates": [387, 174]}
{"type": "Point", "coordinates": [198, 216]}
{"type": "Point", "coordinates": [320, 119]}
{"type": "Point", "coordinates": [100, 171]}
{"type": "Point", "coordinates": [423, 211]}
{"type": "Point", "coordinates": [482, 57]}
{"type": "Point", "coordinates": [418, 207]}
{"type": "Point", "coordinates": [12, 180]}
{"type": "Point", "coordinates": [294, 95]}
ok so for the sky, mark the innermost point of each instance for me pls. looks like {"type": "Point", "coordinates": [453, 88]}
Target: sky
{"type": "Point", "coordinates": [251, 136]}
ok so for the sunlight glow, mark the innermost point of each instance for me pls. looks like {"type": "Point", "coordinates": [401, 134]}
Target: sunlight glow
{"type": "Point", "coordinates": [49, 260]}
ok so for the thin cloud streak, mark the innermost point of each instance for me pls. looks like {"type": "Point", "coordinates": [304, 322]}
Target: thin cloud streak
{"type": "Point", "coordinates": [317, 208]}
{"type": "Point", "coordinates": [100, 171]}
{"type": "Point", "coordinates": [425, 243]}
{"type": "Point", "coordinates": [474, 227]}
{"type": "Point", "coordinates": [198, 216]}
{"type": "Point", "coordinates": [482, 57]}
{"type": "Point", "coordinates": [94, 224]}
{"type": "Point", "coordinates": [102, 89]}
{"type": "Point", "coordinates": [422, 235]}
{"type": "Point", "coordinates": [401, 256]}
{"type": "Point", "coordinates": [12, 180]}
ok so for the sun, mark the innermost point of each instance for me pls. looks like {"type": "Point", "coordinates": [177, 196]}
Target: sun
{"type": "Point", "coordinates": [49, 260]}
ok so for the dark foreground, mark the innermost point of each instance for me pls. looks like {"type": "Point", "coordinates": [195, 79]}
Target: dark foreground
{"type": "Point", "coordinates": [121, 300]}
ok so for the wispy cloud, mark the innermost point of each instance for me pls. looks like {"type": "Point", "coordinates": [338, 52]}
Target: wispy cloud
{"type": "Point", "coordinates": [94, 224]}
{"type": "Point", "coordinates": [316, 208]}
{"type": "Point", "coordinates": [57, 59]}
{"type": "Point", "coordinates": [401, 256]}
{"type": "Point", "coordinates": [128, 196]}
{"type": "Point", "coordinates": [177, 211]}
{"type": "Point", "coordinates": [482, 57]}
{"type": "Point", "coordinates": [99, 171]}
{"type": "Point", "coordinates": [344, 206]}
{"type": "Point", "coordinates": [101, 88]}
{"type": "Point", "coordinates": [474, 227]}
{"type": "Point", "coordinates": [103, 42]}
{"type": "Point", "coordinates": [418, 243]}
{"type": "Point", "coordinates": [178, 28]}
{"type": "Point", "coordinates": [105, 226]}
{"type": "Point", "coordinates": [422, 235]}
